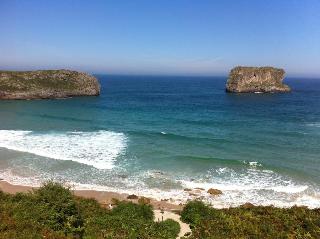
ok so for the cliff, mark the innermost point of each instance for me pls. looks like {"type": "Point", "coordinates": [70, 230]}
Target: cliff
{"type": "Point", "coordinates": [256, 79]}
{"type": "Point", "coordinates": [46, 84]}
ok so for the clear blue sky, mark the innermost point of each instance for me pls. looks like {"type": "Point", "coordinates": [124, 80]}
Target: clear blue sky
{"type": "Point", "coordinates": [184, 37]}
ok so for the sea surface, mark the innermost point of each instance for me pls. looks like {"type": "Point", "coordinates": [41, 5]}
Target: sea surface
{"type": "Point", "coordinates": [156, 136]}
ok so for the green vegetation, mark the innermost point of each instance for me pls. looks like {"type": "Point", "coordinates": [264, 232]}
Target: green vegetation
{"type": "Point", "coordinates": [251, 222]}
{"type": "Point", "coordinates": [54, 212]}
{"type": "Point", "coordinates": [17, 81]}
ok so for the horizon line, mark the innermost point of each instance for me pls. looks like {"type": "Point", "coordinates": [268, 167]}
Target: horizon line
{"type": "Point", "coordinates": [93, 72]}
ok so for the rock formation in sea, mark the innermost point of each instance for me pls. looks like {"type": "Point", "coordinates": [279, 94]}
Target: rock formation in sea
{"type": "Point", "coordinates": [46, 84]}
{"type": "Point", "coordinates": [256, 79]}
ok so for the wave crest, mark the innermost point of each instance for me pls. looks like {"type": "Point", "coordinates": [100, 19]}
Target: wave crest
{"type": "Point", "coordinates": [98, 149]}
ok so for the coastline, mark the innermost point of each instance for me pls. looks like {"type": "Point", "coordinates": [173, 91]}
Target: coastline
{"type": "Point", "coordinates": [135, 150]}
{"type": "Point", "coordinates": [201, 216]}
{"type": "Point", "coordinates": [103, 197]}
{"type": "Point", "coordinates": [162, 209]}
{"type": "Point", "coordinates": [218, 198]}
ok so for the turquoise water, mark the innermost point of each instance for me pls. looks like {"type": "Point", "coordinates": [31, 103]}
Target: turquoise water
{"type": "Point", "coordinates": [155, 136]}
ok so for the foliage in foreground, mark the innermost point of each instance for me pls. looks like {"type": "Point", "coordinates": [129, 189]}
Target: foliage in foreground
{"type": "Point", "coordinates": [54, 212]}
{"type": "Point", "coordinates": [251, 222]}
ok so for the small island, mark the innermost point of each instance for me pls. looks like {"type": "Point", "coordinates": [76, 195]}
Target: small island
{"type": "Point", "coordinates": [256, 79]}
{"type": "Point", "coordinates": [46, 84]}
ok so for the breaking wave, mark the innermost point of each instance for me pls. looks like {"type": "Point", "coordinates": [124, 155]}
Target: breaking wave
{"type": "Point", "coordinates": [98, 149]}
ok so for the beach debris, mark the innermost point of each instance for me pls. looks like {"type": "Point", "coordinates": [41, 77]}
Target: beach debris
{"type": "Point", "coordinates": [214, 191]}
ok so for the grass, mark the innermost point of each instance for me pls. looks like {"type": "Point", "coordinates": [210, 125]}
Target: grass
{"type": "Point", "coordinates": [251, 222]}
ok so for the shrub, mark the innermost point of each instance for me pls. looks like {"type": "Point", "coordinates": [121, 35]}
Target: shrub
{"type": "Point", "coordinates": [57, 209]}
{"type": "Point", "coordinates": [194, 212]}
{"type": "Point", "coordinates": [168, 228]}
{"type": "Point", "coordinates": [254, 222]}
{"type": "Point", "coordinates": [53, 212]}
{"type": "Point", "coordinates": [133, 211]}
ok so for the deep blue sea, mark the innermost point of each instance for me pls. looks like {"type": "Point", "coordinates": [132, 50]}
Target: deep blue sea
{"type": "Point", "coordinates": [156, 136]}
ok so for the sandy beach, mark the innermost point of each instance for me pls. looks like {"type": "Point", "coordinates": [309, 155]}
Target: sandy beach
{"type": "Point", "coordinates": [103, 197]}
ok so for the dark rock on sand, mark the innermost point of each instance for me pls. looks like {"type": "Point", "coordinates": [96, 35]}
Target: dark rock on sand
{"type": "Point", "coordinates": [256, 79]}
{"type": "Point", "coordinates": [247, 205]}
{"type": "Point", "coordinates": [193, 194]}
{"type": "Point", "coordinates": [132, 196]}
{"type": "Point", "coordinates": [46, 84]}
{"type": "Point", "coordinates": [214, 191]}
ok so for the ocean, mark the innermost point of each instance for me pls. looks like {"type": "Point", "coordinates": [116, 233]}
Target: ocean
{"type": "Point", "coordinates": [156, 136]}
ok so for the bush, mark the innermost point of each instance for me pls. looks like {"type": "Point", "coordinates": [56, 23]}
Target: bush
{"type": "Point", "coordinates": [53, 212]}
{"type": "Point", "coordinates": [57, 209]}
{"type": "Point", "coordinates": [133, 211]}
{"type": "Point", "coordinates": [169, 228]}
{"type": "Point", "coordinates": [194, 212]}
{"type": "Point", "coordinates": [254, 222]}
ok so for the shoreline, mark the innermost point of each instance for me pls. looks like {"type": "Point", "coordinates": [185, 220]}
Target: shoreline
{"type": "Point", "coordinates": [216, 198]}
{"type": "Point", "coordinates": [103, 197]}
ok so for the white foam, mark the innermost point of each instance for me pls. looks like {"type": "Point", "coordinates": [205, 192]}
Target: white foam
{"type": "Point", "coordinates": [231, 196]}
{"type": "Point", "coordinates": [290, 189]}
{"type": "Point", "coordinates": [258, 186]}
{"type": "Point", "coordinates": [254, 185]}
{"type": "Point", "coordinates": [254, 164]}
{"type": "Point", "coordinates": [98, 149]}
{"type": "Point", "coordinates": [316, 124]}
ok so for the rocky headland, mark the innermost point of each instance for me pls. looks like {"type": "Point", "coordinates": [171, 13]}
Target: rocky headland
{"type": "Point", "coordinates": [47, 84]}
{"type": "Point", "coordinates": [256, 79]}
